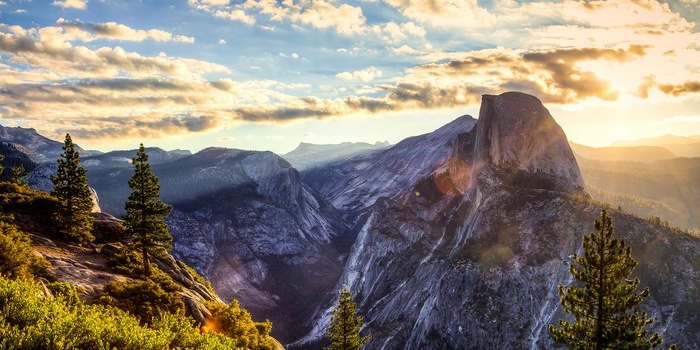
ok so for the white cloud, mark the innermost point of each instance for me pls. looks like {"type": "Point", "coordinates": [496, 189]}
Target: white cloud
{"type": "Point", "coordinates": [295, 55]}
{"type": "Point", "coordinates": [235, 15]}
{"type": "Point", "coordinates": [367, 74]}
{"type": "Point", "coordinates": [76, 4]}
{"type": "Point", "coordinates": [405, 50]}
{"type": "Point", "coordinates": [48, 48]}
{"type": "Point", "coordinates": [398, 32]}
{"type": "Point", "coordinates": [222, 41]}
{"type": "Point", "coordinates": [21, 11]}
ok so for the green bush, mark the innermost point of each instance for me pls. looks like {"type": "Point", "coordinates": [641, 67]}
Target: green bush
{"type": "Point", "coordinates": [16, 257]}
{"type": "Point", "coordinates": [236, 323]}
{"type": "Point", "coordinates": [145, 299]}
{"type": "Point", "coordinates": [29, 320]}
{"type": "Point", "coordinates": [66, 291]}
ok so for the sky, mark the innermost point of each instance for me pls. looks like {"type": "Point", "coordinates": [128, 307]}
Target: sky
{"type": "Point", "coordinates": [269, 74]}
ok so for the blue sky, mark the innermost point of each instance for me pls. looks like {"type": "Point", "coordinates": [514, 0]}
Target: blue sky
{"type": "Point", "coordinates": [267, 74]}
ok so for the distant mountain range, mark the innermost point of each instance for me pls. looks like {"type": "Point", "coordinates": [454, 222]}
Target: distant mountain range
{"type": "Point", "coordinates": [681, 146]}
{"type": "Point", "coordinates": [308, 155]}
{"type": "Point", "coordinates": [659, 141]}
{"type": "Point", "coordinates": [455, 239]}
{"type": "Point", "coordinates": [628, 153]}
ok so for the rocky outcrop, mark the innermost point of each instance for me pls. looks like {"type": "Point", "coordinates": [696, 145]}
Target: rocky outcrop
{"type": "Point", "coordinates": [87, 269]}
{"type": "Point", "coordinates": [515, 129]}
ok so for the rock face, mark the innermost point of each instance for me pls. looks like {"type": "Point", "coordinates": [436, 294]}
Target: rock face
{"type": "Point", "coordinates": [471, 256]}
{"type": "Point", "coordinates": [515, 129]}
{"type": "Point", "coordinates": [353, 186]}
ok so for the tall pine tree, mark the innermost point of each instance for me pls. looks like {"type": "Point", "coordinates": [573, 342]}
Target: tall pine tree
{"type": "Point", "coordinates": [344, 330]}
{"type": "Point", "coordinates": [71, 189]}
{"type": "Point", "coordinates": [145, 212]}
{"type": "Point", "coordinates": [604, 303]}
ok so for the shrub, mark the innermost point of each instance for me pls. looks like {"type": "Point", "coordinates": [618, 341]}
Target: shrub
{"type": "Point", "coordinates": [16, 257]}
{"type": "Point", "coordinates": [29, 320]}
{"type": "Point", "coordinates": [236, 323]}
{"type": "Point", "coordinates": [144, 299]}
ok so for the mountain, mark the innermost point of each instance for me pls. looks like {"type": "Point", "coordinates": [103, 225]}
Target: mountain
{"type": "Point", "coordinates": [353, 185]}
{"type": "Point", "coordinates": [42, 149]}
{"type": "Point", "coordinates": [247, 222]}
{"type": "Point", "coordinates": [15, 155]}
{"type": "Point", "coordinates": [123, 158]}
{"type": "Point", "coordinates": [681, 146]}
{"type": "Point", "coordinates": [667, 139]}
{"type": "Point", "coordinates": [684, 150]}
{"type": "Point", "coordinates": [469, 254]}
{"type": "Point", "coordinates": [308, 155]}
{"type": "Point", "coordinates": [630, 153]}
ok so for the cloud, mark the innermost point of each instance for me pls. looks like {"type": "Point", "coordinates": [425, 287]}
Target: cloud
{"type": "Point", "coordinates": [367, 74]}
{"type": "Point", "coordinates": [398, 32]}
{"type": "Point", "coordinates": [76, 4]}
{"type": "Point", "coordinates": [114, 31]}
{"type": "Point", "coordinates": [47, 48]}
{"type": "Point", "coordinates": [222, 41]}
{"type": "Point", "coordinates": [345, 19]}
{"type": "Point", "coordinates": [687, 87]}
{"type": "Point", "coordinates": [235, 15]}
{"type": "Point", "coordinates": [571, 83]}
{"type": "Point", "coordinates": [556, 76]}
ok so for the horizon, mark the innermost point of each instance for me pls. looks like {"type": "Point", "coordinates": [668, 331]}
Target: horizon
{"type": "Point", "coordinates": [390, 144]}
{"type": "Point", "coordinates": [268, 75]}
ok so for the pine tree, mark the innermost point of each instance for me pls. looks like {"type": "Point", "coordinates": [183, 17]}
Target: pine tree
{"type": "Point", "coordinates": [2, 157]}
{"type": "Point", "coordinates": [145, 212]}
{"type": "Point", "coordinates": [71, 188]}
{"type": "Point", "coordinates": [344, 330]}
{"type": "Point", "coordinates": [18, 176]}
{"type": "Point", "coordinates": [604, 303]}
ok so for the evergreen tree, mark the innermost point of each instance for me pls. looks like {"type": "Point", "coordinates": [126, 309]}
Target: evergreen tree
{"type": "Point", "coordinates": [71, 189]}
{"type": "Point", "coordinates": [344, 330]}
{"type": "Point", "coordinates": [18, 176]}
{"type": "Point", "coordinates": [604, 303]}
{"type": "Point", "coordinates": [145, 212]}
{"type": "Point", "coordinates": [2, 157]}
